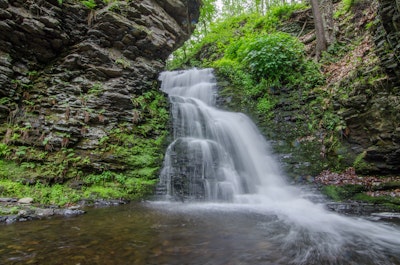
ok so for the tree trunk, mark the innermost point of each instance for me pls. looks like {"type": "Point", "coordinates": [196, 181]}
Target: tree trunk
{"type": "Point", "coordinates": [326, 7]}
{"type": "Point", "coordinates": [322, 43]}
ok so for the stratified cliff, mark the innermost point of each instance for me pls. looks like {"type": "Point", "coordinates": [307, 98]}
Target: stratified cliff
{"type": "Point", "coordinates": [354, 119]}
{"type": "Point", "coordinates": [363, 85]}
{"type": "Point", "coordinates": [78, 84]}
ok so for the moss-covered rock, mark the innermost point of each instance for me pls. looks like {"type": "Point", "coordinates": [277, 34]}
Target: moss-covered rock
{"type": "Point", "coordinates": [79, 91]}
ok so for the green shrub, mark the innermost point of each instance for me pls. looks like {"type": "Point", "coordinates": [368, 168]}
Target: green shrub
{"type": "Point", "coordinates": [273, 56]}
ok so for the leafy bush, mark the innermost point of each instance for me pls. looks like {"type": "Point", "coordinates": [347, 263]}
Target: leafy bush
{"type": "Point", "coordinates": [273, 56]}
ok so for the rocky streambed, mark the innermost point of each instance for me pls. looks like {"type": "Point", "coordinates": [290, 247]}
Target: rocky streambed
{"type": "Point", "coordinates": [14, 210]}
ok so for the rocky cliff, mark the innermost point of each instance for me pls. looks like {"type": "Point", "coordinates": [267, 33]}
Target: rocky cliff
{"type": "Point", "coordinates": [79, 84]}
{"type": "Point", "coordinates": [353, 120]}
{"type": "Point", "coordinates": [371, 108]}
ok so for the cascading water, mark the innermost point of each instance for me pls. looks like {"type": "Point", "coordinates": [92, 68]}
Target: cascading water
{"type": "Point", "coordinates": [219, 157]}
{"type": "Point", "coordinates": [216, 155]}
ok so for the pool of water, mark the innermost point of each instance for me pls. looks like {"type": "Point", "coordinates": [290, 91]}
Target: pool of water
{"type": "Point", "coordinates": [178, 233]}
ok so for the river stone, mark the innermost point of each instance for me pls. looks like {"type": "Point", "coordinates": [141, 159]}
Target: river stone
{"type": "Point", "coordinates": [26, 200]}
{"type": "Point", "coordinates": [44, 212]}
{"type": "Point", "coordinates": [68, 212]}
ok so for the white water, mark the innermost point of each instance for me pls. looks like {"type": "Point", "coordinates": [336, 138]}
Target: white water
{"type": "Point", "coordinates": [220, 157]}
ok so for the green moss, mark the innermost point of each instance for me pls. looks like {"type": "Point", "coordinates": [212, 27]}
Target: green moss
{"type": "Point", "coordinates": [9, 210]}
{"type": "Point", "coordinates": [125, 163]}
{"type": "Point", "coordinates": [340, 193]}
{"type": "Point", "coordinates": [391, 202]}
{"type": "Point", "coordinates": [357, 193]}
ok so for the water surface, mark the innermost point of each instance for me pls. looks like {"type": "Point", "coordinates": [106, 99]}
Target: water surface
{"type": "Point", "coordinates": [179, 233]}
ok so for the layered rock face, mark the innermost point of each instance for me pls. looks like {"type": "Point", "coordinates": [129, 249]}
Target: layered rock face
{"type": "Point", "coordinates": [362, 95]}
{"type": "Point", "coordinates": [71, 75]}
{"type": "Point", "coordinates": [372, 111]}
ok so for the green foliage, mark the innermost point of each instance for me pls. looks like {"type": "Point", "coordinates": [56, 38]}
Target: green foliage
{"type": "Point", "coordinates": [107, 185]}
{"type": "Point", "coordinates": [249, 51]}
{"type": "Point", "coordinates": [4, 100]}
{"type": "Point", "coordinates": [105, 176]}
{"type": "Point", "coordinates": [273, 56]}
{"type": "Point", "coordinates": [359, 164]}
{"type": "Point", "coordinates": [264, 105]}
{"type": "Point", "coordinates": [111, 185]}
{"type": "Point", "coordinates": [123, 62]}
{"type": "Point", "coordinates": [11, 170]}
{"type": "Point", "coordinates": [334, 52]}
{"type": "Point", "coordinates": [345, 6]}
{"type": "Point", "coordinates": [91, 4]}
{"type": "Point", "coordinates": [43, 194]}
{"type": "Point", "coordinates": [4, 150]}
{"type": "Point", "coordinates": [283, 12]}
{"type": "Point", "coordinates": [96, 89]}
{"type": "Point", "coordinates": [229, 31]}
{"type": "Point", "coordinates": [101, 192]}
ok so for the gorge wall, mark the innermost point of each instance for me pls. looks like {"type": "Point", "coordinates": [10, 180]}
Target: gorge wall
{"type": "Point", "coordinates": [353, 120]}
{"type": "Point", "coordinates": [79, 91]}
{"type": "Point", "coordinates": [368, 100]}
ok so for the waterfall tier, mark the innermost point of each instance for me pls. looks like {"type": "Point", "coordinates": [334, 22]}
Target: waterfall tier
{"type": "Point", "coordinates": [216, 155]}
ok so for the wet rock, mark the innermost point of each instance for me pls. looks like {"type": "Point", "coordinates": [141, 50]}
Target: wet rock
{"type": "Point", "coordinates": [109, 202]}
{"type": "Point", "coordinates": [68, 212]}
{"type": "Point", "coordinates": [357, 208]}
{"type": "Point", "coordinates": [10, 219]}
{"type": "Point", "coordinates": [44, 212]}
{"type": "Point", "coordinates": [386, 216]}
{"type": "Point", "coordinates": [8, 200]}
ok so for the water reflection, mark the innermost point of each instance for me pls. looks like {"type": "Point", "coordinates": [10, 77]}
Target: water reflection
{"type": "Point", "coordinates": [160, 233]}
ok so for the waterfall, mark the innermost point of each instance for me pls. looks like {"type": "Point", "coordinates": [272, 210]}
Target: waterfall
{"type": "Point", "coordinates": [220, 157]}
{"type": "Point", "coordinates": [216, 155]}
